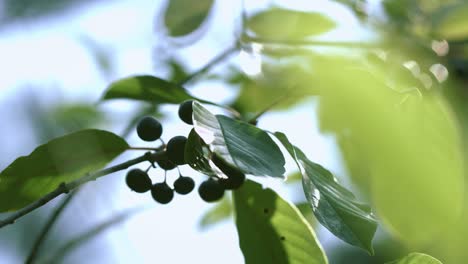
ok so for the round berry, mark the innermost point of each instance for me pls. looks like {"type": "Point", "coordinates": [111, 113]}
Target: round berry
{"type": "Point", "coordinates": [210, 190]}
{"type": "Point", "coordinates": [186, 111]}
{"type": "Point", "coordinates": [233, 182]}
{"type": "Point", "coordinates": [138, 181]}
{"type": "Point", "coordinates": [149, 129]}
{"type": "Point", "coordinates": [165, 164]}
{"type": "Point", "coordinates": [176, 150]}
{"type": "Point", "coordinates": [162, 193]}
{"type": "Point", "coordinates": [235, 178]}
{"type": "Point", "coordinates": [184, 185]}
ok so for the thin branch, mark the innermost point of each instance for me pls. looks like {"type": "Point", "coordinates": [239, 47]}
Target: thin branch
{"type": "Point", "coordinates": [339, 44]}
{"type": "Point", "coordinates": [210, 64]}
{"type": "Point", "coordinates": [50, 223]}
{"type": "Point", "coordinates": [254, 119]}
{"type": "Point", "coordinates": [148, 148]}
{"type": "Point", "coordinates": [67, 187]}
{"type": "Point", "coordinates": [68, 247]}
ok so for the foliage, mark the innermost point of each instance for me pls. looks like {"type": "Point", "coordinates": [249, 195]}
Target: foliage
{"type": "Point", "coordinates": [399, 124]}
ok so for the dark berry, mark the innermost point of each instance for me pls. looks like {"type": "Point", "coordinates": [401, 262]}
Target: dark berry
{"type": "Point", "coordinates": [138, 181]}
{"type": "Point", "coordinates": [235, 178]}
{"type": "Point", "coordinates": [186, 111]}
{"type": "Point", "coordinates": [210, 190]}
{"type": "Point", "coordinates": [165, 164]}
{"type": "Point", "coordinates": [176, 150]}
{"type": "Point", "coordinates": [149, 129]}
{"type": "Point", "coordinates": [162, 193]}
{"type": "Point", "coordinates": [184, 185]}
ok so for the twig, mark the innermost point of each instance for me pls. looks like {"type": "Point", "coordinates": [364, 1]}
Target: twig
{"type": "Point", "coordinates": [210, 64]}
{"type": "Point", "coordinates": [254, 119]}
{"type": "Point", "coordinates": [339, 44]}
{"type": "Point", "coordinates": [67, 187]}
{"type": "Point", "coordinates": [148, 148]}
{"type": "Point", "coordinates": [50, 223]}
{"type": "Point", "coordinates": [66, 248]}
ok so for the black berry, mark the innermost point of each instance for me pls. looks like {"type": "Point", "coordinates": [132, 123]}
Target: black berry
{"type": "Point", "coordinates": [184, 185]}
{"type": "Point", "coordinates": [186, 111]}
{"type": "Point", "coordinates": [235, 178]}
{"type": "Point", "coordinates": [165, 164]}
{"type": "Point", "coordinates": [138, 181]}
{"type": "Point", "coordinates": [162, 193]}
{"type": "Point", "coordinates": [176, 150]}
{"type": "Point", "coordinates": [149, 129]}
{"type": "Point", "coordinates": [211, 190]}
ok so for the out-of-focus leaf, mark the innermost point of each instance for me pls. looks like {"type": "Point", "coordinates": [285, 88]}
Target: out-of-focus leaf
{"type": "Point", "coordinates": [242, 145]}
{"type": "Point", "coordinates": [400, 11]}
{"type": "Point", "coordinates": [101, 54]}
{"type": "Point", "coordinates": [284, 24]}
{"type": "Point", "coordinates": [356, 5]}
{"type": "Point", "coordinates": [182, 17]}
{"type": "Point", "coordinates": [284, 85]}
{"type": "Point", "coordinates": [26, 10]}
{"type": "Point", "coordinates": [60, 160]}
{"type": "Point", "coordinates": [147, 88]}
{"type": "Point", "coordinates": [178, 72]}
{"type": "Point", "coordinates": [416, 258]}
{"type": "Point", "coordinates": [60, 255]}
{"type": "Point", "coordinates": [219, 212]}
{"type": "Point", "coordinates": [73, 117]}
{"type": "Point", "coordinates": [294, 177]}
{"type": "Point", "coordinates": [451, 23]}
{"type": "Point", "coordinates": [271, 230]}
{"type": "Point", "coordinates": [334, 206]}
{"type": "Point", "coordinates": [408, 141]}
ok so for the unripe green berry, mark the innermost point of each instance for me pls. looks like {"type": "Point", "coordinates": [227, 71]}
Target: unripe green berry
{"type": "Point", "coordinates": [184, 185]}
{"type": "Point", "coordinates": [162, 193]}
{"type": "Point", "coordinates": [138, 181]}
{"type": "Point", "coordinates": [149, 129]}
{"type": "Point", "coordinates": [186, 111]}
{"type": "Point", "coordinates": [210, 190]}
{"type": "Point", "coordinates": [176, 150]}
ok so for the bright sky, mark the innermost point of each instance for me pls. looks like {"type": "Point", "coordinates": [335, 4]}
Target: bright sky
{"type": "Point", "coordinates": [50, 54]}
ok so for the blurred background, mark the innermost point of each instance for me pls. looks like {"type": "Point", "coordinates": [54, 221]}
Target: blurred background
{"type": "Point", "coordinates": [373, 90]}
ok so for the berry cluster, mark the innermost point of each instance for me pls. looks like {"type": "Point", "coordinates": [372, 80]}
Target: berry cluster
{"type": "Point", "coordinates": [173, 155]}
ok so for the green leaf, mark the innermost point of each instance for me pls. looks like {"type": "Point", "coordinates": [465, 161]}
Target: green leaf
{"type": "Point", "coordinates": [74, 117]}
{"type": "Point", "coordinates": [273, 231]}
{"type": "Point", "coordinates": [294, 177]}
{"type": "Point", "coordinates": [416, 258]}
{"type": "Point", "coordinates": [60, 160]}
{"type": "Point", "coordinates": [400, 11]}
{"type": "Point", "coordinates": [242, 145]}
{"type": "Point", "coordinates": [219, 212]}
{"type": "Point", "coordinates": [197, 153]}
{"type": "Point", "coordinates": [334, 206]}
{"type": "Point", "coordinates": [284, 24]}
{"type": "Point", "coordinates": [283, 85]}
{"type": "Point", "coordinates": [451, 23]}
{"type": "Point", "coordinates": [409, 142]}
{"type": "Point", "coordinates": [185, 16]}
{"type": "Point", "coordinates": [147, 88]}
